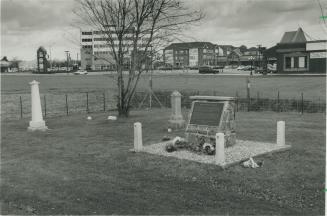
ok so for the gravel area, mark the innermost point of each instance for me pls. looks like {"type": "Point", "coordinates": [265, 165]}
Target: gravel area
{"type": "Point", "coordinates": [242, 150]}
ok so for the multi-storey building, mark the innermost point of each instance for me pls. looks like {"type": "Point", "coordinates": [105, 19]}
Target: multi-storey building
{"type": "Point", "coordinates": [96, 53]}
{"type": "Point", "coordinates": [192, 54]}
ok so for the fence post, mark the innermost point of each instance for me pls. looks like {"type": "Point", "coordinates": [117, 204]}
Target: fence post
{"type": "Point", "coordinates": [258, 96]}
{"type": "Point", "coordinates": [278, 101]}
{"type": "Point", "coordinates": [87, 102]}
{"type": "Point", "coordinates": [248, 86]}
{"type": "Point", "coordinates": [45, 106]}
{"type": "Point", "coordinates": [66, 104]}
{"type": "Point", "coordinates": [138, 143]}
{"type": "Point", "coordinates": [236, 101]}
{"type": "Point", "coordinates": [104, 102]}
{"type": "Point", "coordinates": [302, 103]}
{"type": "Point", "coordinates": [21, 106]}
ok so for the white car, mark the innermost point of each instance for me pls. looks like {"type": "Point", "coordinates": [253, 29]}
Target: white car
{"type": "Point", "coordinates": [241, 67]}
{"type": "Point", "coordinates": [80, 72]}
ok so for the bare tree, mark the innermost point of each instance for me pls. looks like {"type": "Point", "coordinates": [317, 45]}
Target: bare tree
{"type": "Point", "coordinates": [134, 29]}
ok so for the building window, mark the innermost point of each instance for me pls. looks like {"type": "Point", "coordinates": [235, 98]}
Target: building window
{"type": "Point", "coordinates": [288, 62]}
{"type": "Point", "coordinates": [296, 62]}
{"type": "Point", "coordinates": [302, 62]}
{"type": "Point", "coordinates": [87, 40]}
{"type": "Point", "coordinates": [86, 33]}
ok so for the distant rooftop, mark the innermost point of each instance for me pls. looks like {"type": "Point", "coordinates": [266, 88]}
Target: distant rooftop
{"type": "Point", "coordinates": [190, 45]}
{"type": "Point", "coordinates": [294, 37]}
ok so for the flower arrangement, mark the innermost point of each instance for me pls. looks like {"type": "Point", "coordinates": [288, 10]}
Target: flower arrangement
{"type": "Point", "coordinates": [200, 147]}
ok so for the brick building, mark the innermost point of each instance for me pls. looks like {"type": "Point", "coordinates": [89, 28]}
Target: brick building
{"type": "Point", "coordinates": [191, 54]}
{"type": "Point", "coordinates": [295, 54]}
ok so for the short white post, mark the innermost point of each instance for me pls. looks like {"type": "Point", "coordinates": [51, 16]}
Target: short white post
{"type": "Point", "coordinates": [37, 122]}
{"type": "Point", "coordinates": [280, 133]}
{"type": "Point", "coordinates": [220, 149]}
{"type": "Point", "coordinates": [138, 145]}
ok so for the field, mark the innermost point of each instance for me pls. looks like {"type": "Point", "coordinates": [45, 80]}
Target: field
{"type": "Point", "coordinates": [85, 167]}
{"type": "Point", "coordinates": [102, 91]}
{"type": "Point", "coordinates": [313, 87]}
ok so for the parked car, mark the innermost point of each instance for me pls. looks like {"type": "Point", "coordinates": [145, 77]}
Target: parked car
{"type": "Point", "coordinates": [241, 67]}
{"type": "Point", "coordinates": [272, 68]}
{"type": "Point", "coordinates": [208, 69]}
{"type": "Point", "coordinates": [249, 67]}
{"type": "Point", "coordinates": [80, 72]}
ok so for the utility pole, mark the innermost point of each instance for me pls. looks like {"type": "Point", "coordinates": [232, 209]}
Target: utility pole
{"type": "Point", "coordinates": [251, 59]}
{"type": "Point", "coordinates": [50, 58]}
{"type": "Point", "coordinates": [258, 52]}
{"type": "Point", "coordinates": [77, 60]}
{"type": "Point", "coordinates": [67, 54]}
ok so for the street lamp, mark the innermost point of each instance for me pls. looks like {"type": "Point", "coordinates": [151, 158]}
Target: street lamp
{"type": "Point", "coordinates": [251, 58]}
{"type": "Point", "coordinates": [67, 55]}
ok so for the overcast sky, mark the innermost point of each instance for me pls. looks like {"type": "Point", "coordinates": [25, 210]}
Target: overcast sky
{"type": "Point", "coordinates": [28, 24]}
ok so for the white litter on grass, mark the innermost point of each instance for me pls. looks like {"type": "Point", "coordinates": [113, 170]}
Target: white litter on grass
{"type": "Point", "coordinates": [113, 118]}
{"type": "Point", "coordinates": [169, 130]}
{"type": "Point", "coordinates": [250, 163]}
{"type": "Point", "coordinates": [89, 118]}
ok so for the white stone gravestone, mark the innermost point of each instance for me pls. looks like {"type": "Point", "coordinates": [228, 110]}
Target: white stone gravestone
{"type": "Point", "coordinates": [176, 119]}
{"type": "Point", "coordinates": [37, 122]}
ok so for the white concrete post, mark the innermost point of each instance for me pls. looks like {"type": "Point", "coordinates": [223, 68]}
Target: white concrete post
{"type": "Point", "coordinates": [37, 122]}
{"type": "Point", "coordinates": [138, 145]}
{"type": "Point", "coordinates": [176, 118]}
{"type": "Point", "coordinates": [220, 149]}
{"type": "Point", "coordinates": [281, 133]}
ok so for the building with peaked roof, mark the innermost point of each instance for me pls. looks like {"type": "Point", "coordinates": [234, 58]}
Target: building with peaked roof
{"type": "Point", "coordinates": [4, 64]}
{"type": "Point", "coordinates": [236, 57]}
{"type": "Point", "coordinates": [195, 54]}
{"type": "Point", "coordinates": [294, 54]}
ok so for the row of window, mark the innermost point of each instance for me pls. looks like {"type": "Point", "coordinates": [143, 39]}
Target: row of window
{"type": "Point", "coordinates": [106, 39]}
{"type": "Point", "coordinates": [87, 40]}
{"type": "Point", "coordinates": [296, 62]}
{"type": "Point", "coordinates": [102, 53]}
{"type": "Point", "coordinates": [87, 46]}
{"type": "Point", "coordinates": [105, 32]}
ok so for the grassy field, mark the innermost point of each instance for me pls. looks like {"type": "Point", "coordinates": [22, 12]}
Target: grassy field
{"type": "Point", "coordinates": [85, 167]}
{"type": "Point", "coordinates": [290, 87]}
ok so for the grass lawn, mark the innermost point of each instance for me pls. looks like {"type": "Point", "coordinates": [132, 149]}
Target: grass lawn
{"type": "Point", "coordinates": [85, 167]}
{"type": "Point", "coordinates": [313, 87]}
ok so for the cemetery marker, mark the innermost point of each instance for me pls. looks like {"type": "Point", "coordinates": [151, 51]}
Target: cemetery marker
{"type": "Point", "coordinates": [37, 122]}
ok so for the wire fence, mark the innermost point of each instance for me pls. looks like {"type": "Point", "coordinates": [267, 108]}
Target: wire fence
{"type": "Point", "coordinates": [278, 104]}
{"type": "Point", "coordinates": [15, 106]}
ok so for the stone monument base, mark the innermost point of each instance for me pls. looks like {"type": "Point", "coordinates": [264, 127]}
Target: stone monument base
{"type": "Point", "coordinates": [242, 151]}
{"type": "Point", "coordinates": [176, 122]}
{"type": "Point", "coordinates": [37, 126]}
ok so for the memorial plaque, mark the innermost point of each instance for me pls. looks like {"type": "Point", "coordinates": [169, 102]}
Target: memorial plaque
{"type": "Point", "coordinates": [207, 113]}
{"type": "Point", "coordinates": [210, 115]}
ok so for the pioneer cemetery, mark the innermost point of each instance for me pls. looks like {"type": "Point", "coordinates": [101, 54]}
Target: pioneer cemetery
{"type": "Point", "coordinates": [208, 158]}
{"type": "Point", "coordinates": [163, 107]}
